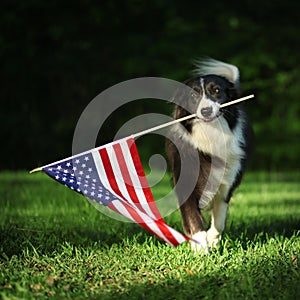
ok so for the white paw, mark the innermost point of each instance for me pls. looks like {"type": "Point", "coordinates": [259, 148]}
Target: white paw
{"type": "Point", "coordinates": [213, 237]}
{"type": "Point", "coordinates": [199, 242]}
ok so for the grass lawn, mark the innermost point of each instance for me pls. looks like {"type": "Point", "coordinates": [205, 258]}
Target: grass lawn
{"type": "Point", "coordinates": [55, 244]}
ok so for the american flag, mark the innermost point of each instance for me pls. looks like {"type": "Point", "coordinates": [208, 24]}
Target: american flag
{"type": "Point", "coordinates": [112, 175]}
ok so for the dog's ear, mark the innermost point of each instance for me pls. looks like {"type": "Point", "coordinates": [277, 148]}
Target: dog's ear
{"type": "Point", "coordinates": [208, 66]}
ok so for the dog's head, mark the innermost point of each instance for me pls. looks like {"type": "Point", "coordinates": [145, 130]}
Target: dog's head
{"type": "Point", "coordinates": [218, 83]}
{"type": "Point", "coordinates": [207, 94]}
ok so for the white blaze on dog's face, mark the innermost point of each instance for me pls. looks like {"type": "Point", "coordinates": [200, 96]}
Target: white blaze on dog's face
{"type": "Point", "coordinates": [213, 94]}
{"type": "Point", "coordinates": [209, 93]}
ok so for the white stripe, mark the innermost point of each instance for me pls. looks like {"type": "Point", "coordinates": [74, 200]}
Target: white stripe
{"type": "Point", "coordinates": [180, 238]}
{"type": "Point", "coordinates": [123, 211]}
{"type": "Point", "coordinates": [101, 172]}
{"type": "Point", "coordinates": [118, 174]}
{"type": "Point", "coordinates": [150, 223]}
{"type": "Point", "coordinates": [118, 204]}
{"type": "Point", "coordinates": [135, 180]}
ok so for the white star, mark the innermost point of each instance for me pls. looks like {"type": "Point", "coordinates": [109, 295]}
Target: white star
{"type": "Point", "coordinates": [77, 161]}
{"type": "Point", "coordinates": [68, 164]}
{"type": "Point", "coordinates": [83, 165]}
{"type": "Point", "coordinates": [59, 167]}
{"type": "Point", "coordinates": [100, 195]}
{"type": "Point", "coordinates": [92, 194]}
{"type": "Point", "coordinates": [74, 168]}
{"type": "Point", "coordinates": [90, 170]}
{"type": "Point", "coordinates": [86, 158]}
{"type": "Point", "coordinates": [87, 177]}
{"type": "Point", "coordinates": [64, 179]}
{"type": "Point", "coordinates": [56, 177]}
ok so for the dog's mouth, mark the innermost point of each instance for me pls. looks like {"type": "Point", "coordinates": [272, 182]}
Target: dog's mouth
{"type": "Point", "coordinates": [210, 119]}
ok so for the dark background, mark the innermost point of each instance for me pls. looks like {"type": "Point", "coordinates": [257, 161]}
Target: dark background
{"type": "Point", "coordinates": [56, 56]}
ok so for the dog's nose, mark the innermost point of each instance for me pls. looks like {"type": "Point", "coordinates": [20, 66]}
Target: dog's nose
{"type": "Point", "coordinates": [206, 111]}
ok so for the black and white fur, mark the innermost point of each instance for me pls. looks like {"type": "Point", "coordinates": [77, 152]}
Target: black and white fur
{"type": "Point", "coordinates": [220, 138]}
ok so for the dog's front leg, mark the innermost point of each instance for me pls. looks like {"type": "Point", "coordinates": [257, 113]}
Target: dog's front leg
{"type": "Point", "coordinates": [218, 219]}
{"type": "Point", "coordinates": [192, 222]}
{"type": "Point", "coordinates": [186, 167]}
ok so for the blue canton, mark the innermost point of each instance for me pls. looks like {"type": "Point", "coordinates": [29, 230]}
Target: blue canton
{"type": "Point", "coordinates": [80, 174]}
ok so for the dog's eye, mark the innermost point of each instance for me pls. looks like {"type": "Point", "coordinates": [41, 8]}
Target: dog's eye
{"type": "Point", "coordinates": [216, 90]}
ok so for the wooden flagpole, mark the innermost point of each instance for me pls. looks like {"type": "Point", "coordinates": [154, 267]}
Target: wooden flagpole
{"type": "Point", "coordinates": [159, 127]}
{"type": "Point", "coordinates": [186, 117]}
{"type": "Point", "coordinates": [36, 170]}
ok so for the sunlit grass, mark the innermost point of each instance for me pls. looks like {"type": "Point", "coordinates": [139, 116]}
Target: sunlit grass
{"type": "Point", "coordinates": [54, 243]}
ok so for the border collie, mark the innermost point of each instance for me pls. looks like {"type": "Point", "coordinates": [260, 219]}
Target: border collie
{"type": "Point", "coordinates": [210, 150]}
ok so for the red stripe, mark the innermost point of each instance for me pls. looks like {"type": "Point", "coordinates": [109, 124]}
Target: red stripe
{"type": "Point", "coordinates": [168, 236]}
{"type": "Point", "coordinates": [166, 232]}
{"type": "Point", "coordinates": [138, 219]}
{"type": "Point", "coordinates": [163, 227]}
{"type": "Point", "coordinates": [109, 172]}
{"type": "Point", "coordinates": [142, 177]}
{"type": "Point", "coordinates": [148, 194]}
{"type": "Point", "coordinates": [126, 176]}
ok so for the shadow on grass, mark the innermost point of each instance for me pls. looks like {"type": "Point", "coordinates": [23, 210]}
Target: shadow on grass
{"type": "Point", "coordinates": [249, 231]}
{"type": "Point", "coordinates": [235, 286]}
{"type": "Point", "coordinates": [15, 239]}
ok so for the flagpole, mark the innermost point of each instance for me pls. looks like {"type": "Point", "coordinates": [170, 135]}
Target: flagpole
{"type": "Point", "coordinates": [148, 130]}
{"type": "Point", "coordinates": [36, 170]}
{"type": "Point", "coordinates": [78, 154]}
{"type": "Point", "coordinates": [163, 125]}
{"type": "Point", "coordinates": [237, 100]}
{"type": "Point", "coordinates": [186, 118]}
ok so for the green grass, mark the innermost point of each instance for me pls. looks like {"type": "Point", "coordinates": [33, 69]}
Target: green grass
{"type": "Point", "coordinates": [54, 244]}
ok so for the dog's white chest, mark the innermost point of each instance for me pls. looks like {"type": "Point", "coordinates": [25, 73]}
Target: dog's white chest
{"type": "Point", "coordinates": [217, 140]}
